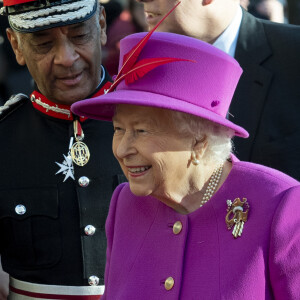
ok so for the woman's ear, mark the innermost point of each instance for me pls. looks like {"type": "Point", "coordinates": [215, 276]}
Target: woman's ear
{"type": "Point", "coordinates": [199, 148]}
{"type": "Point", "coordinates": [16, 46]}
{"type": "Point", "coordinates": [102, 22]}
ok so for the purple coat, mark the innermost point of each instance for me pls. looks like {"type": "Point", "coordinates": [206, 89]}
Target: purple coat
{"type": "Point", "coordinates": [204, 259]}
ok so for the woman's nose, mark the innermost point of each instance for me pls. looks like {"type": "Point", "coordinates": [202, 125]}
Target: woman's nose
{"type": "Point", "coordinates": [125, 146]}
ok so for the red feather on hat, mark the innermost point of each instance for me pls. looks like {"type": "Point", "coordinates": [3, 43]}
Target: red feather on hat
{"type": "Point", "coordinates": [131, 71]}
{"type": "Point", "coordinates": [143, 67]}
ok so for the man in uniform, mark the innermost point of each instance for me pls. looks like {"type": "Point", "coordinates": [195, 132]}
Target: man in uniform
{"type": "Point", "coordinates": [267, 98]}
{"type": "Point", "coordinates": [57, 169]}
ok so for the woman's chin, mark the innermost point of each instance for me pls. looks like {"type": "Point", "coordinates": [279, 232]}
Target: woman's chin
{"type": "Point", "coordinates": [139, 191]}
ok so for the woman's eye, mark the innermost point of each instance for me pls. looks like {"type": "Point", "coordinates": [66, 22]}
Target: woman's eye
{"type": "Point", "coordinates": [116, 129]}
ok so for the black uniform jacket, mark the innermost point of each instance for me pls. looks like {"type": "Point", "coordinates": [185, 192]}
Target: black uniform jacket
{"type": "Point", "coordinates": [47, 244]}
{"type": "Point", "coordinates": [267, 98]}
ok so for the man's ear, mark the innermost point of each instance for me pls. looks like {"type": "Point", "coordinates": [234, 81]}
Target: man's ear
{"type": "Point", "coordinates": [15, 44]}
{"type": "Point", "coordinates": [102, 22]}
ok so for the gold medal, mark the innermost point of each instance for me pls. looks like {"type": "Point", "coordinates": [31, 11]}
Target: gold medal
{"type": "Point", "coordinates": [80, 152]}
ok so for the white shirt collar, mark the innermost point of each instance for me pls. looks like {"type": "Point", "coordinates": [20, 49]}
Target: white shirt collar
{"type": "Point", "coordinates": [102, 77]}
{"type": "Point", "coordinates": [228, 39]}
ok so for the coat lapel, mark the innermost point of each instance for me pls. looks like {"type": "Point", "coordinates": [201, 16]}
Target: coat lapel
{"type": "Point", "coordinates": [248, 101]}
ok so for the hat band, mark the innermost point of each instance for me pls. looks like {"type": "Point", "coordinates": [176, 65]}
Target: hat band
{"type": "Point", "coordinates": [23, 6]}
{"type": "Point", "coordinates": [15, 2]}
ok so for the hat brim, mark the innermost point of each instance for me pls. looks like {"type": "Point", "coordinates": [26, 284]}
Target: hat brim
{"type": "Point", "coordinates": [103, 107]}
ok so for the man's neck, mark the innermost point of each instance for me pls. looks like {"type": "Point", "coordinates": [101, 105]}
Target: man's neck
{"type": "Point", "coordinates": [227, 41]}
{"type": "Point", "coordinates": [219, 16]}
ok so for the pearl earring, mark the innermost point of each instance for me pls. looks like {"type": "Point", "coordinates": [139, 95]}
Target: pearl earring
{"type": "Point", "coordinates": [195, 161]}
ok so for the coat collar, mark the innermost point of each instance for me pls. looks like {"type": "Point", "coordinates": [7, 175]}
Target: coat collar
{"type": "Point", "coordinates": [252, 41]}
{"type": "Point", "coordinates": [252, 51]}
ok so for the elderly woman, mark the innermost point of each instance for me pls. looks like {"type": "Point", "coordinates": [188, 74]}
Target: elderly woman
{"type": "Point", "coordinates": [193, 222]}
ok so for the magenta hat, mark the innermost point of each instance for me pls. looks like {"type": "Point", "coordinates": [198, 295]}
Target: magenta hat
{"type": "Point", "coordinates": [202, 87]}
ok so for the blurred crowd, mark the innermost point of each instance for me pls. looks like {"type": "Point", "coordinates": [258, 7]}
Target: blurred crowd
{"type": "Point", "coordinates": [281, 11]}
{"type": "Point", "coordinates": [125, 17]}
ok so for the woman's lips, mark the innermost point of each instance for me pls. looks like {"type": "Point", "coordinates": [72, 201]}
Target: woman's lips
{"type": "Point", "coordinates": [138, 171]}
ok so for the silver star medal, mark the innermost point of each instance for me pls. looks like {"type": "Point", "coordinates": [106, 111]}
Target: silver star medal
{"type": "Point", "coordinates": [67, 167]}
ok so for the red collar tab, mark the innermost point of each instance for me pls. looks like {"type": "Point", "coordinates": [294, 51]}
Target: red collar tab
{"type": "Point", "coordinates": [104, 89]}
{"type": "Point", "coordinates": [60, 111]}
{"type": "Point", "coordinates": [15, 2]}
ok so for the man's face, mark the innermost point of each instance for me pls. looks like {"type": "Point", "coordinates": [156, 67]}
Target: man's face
{"type": "Point", "coordinates": [183, 20]}
{"type": "Point", "coordinates": [63, 61]}
{"type": "Point", "coordinates": [204, 20]}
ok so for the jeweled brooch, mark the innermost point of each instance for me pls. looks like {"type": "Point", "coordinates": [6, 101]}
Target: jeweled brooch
{"type": "Point", "coordinates": [237, 215]}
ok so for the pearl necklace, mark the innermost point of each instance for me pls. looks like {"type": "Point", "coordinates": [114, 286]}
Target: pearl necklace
{"type": "Point", "coordinates": [212, 184]}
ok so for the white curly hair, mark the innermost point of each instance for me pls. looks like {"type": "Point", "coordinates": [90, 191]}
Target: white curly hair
{"type": "Point", "coordinates": [218, 137]}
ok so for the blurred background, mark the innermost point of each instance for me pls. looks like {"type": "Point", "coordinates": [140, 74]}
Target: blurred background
{"type": "Point", "coordinates": [124, 17]}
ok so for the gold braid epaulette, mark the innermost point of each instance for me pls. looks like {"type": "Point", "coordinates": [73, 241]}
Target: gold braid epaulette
{"type": "Point", "coordinates": [11, 105]}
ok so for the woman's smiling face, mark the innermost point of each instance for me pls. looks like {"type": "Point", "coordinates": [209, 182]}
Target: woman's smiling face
{"type": "Point", "coordinates": [153, 155]}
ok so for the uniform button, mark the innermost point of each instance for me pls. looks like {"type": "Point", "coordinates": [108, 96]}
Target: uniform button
{"type": "Point", "coordinates": [89, 230]}
{"type": "Point", "coordinates": [83, 181]}
{"type": "Point", "coordinates": [20, 209]}
{"type": "Point", "coordinates": [177, 227]}
{"type": "Point", "coordinates": [93, 280]}
{"type": "Point", "coordinates": [169, 283]}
